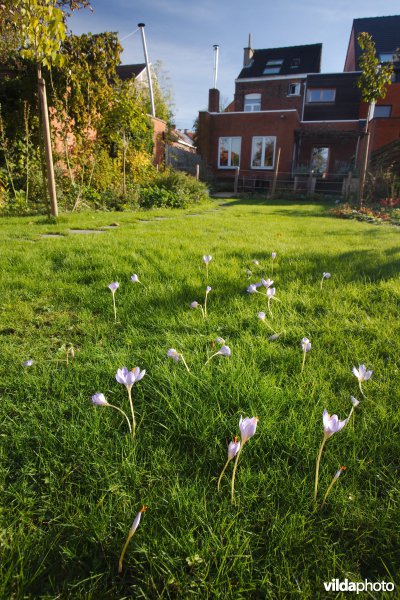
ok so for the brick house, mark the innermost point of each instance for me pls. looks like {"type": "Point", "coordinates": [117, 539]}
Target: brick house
{"type": "Point", "coordinates": [282, 100]}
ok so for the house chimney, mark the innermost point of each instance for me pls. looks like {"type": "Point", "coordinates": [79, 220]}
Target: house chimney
{"type": "Point", "coordinates": [213, 100]}
{"type": "Point", "coordinates": [248, 53]}
{"type": "Point", "coordinates": [216, 47]}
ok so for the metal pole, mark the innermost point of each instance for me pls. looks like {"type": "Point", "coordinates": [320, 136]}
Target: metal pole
{"type": "Point", "coordinates": [146, 58]}
{"type": "Point", "coordinates": [215, 65]}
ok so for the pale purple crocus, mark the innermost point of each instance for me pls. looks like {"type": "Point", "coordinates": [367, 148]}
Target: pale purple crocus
{"type": "Point", "coordinates": [100, 400]}
{"type": "Point", "coordinates": [28, 363]}
{"type": "Point", "coordinates": [233, 449]}
{"type": "Point", "coordinates": [247, 428]}
{"type": "Point", "coordinates": [219, 340]}
{"type": "Point", "coordinates": [113, 287]}
{"type": "Point", "coordinates": [331, 425]}
{"type": "Point", "coordinates": [223, 351]}
{"type": "Point", "coordinates": [271, 296]}
{"type": "Point", "coordinates": [176, 357]}
{"type": "Point", "coordinates": [306, 347]}
{"type": "Point", "coordinates": [207, 258]}
{"type": "Point", "coordinates": [195, 305]}
{"type": "Point", "coordinates": [261, 316]}
{"type": "Point", "coordinates": [362, 375]}
{"type": "Point", "coordinates": [354, 403]}
{"type": "Point", "coordinates": [273, 256]}
{"type": "Point", "coordinates": [325, 276]}
{"type": "Point", "coordinates": [256, 263]}
{"type": "Point", "coordinates": [267, 283]}
{"type": "Point", "coordinates": [252, 289]}
{"type": "Point", "coordinates": [135, 278]}
{"type": "Point", "coordinates": [128, 378]}
{"type": "Point", "coordinates": [132, 530]}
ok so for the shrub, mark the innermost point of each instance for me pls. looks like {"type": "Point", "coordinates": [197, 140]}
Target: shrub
{"type": "Point", "coordinates": [172, 189]}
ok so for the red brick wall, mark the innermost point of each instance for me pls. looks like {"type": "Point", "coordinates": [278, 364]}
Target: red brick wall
{"type": "Point", "coordinates": [246, 125]}
{"type": "Point", "coordinates": [159, 128]}
{"type": "Point", "coordinates": [350, 64]}
{"type": "Point", "coordinates": [342, 149]}
{"type": "Point", "coordinates": [384, 131]}
{"type": "Point", "coordinates": [274, 94]}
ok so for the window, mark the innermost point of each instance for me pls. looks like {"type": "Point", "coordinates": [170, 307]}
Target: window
{"type": "Point", "coordinates": [386, 57]}
{"type": "Point", "coordinates": [263, 152]}
{"type": "Point", "coordinates": [321, 95]}
{"type": "Point", "coordinates": [294, 89]}
{"type": "Point", "coordinates": [229, 152]}
{"type": "Point", "coordinates": [320, 160]}
{"type": "Point", "coordinates": [273, 66]}
{"type": "Point", "coordinates": [382, 111]}
{"type": "Point", "coordinates": [252, 102]}
{"type": "Point", "coordinates": [295, 63]}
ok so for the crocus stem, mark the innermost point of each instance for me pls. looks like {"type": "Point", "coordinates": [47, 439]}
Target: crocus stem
{"type": "Point", "coordinates": [317, 467]}
{"type": "Point", "coordinates": [184, 362]}
{"type": "Point", "coordinates": [304, 360]}
{"type": "Point", "coordinates": [322, 281]}
{"type": "Point", "coordinates": [202, 311]}
{"type": "Point", "coordinates": [133, 430]}
{"type": "Point", "coordinates": [234, 473]}
{"type": "Point", "coordinates": [115, 308]}
{"type": "Point", "coordinates": [222, 473]}
{"type": "Point", "coordinates": [212, 356]}
{"type": "Point", "coordinates": [360, 386]}
{"type": "Point", "coordinates": [207, 270]}
{"type": "Point", "coordinates": [269, 306]}
{"type": "Point", "coordinates": [121, 558]}
{"type": "Point", "coordinates": [205, 306]}
{"type": "Point", "coordinates": [330, 486]}
{"type": "Point", "coordinates": [123, 413]}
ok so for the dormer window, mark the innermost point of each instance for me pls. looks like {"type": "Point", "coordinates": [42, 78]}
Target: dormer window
{"type": "Point", "coordinates": [252, 102]}
{"type": "Point", "coordinates": [273, 66]}
{"type": "Point", "coordinates": [321, 95]}
{"type": "Point", "coordinates": [295, 63]}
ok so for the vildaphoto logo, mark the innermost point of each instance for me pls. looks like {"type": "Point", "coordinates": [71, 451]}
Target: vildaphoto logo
{"type": "Point", "coordinates": [335, 585]}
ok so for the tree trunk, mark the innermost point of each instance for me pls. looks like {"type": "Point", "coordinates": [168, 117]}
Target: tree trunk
{"type": "Point", "coordinates": [364, 158]}
{"type": "Point", "coordinates": [47, 142]}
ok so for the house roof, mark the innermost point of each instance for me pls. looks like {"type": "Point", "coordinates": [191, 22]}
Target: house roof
{"type": "Point", "coordinates": [385, 32]}
{"type": "Point", "coordinates": [295, 60]}
{"type": "Point", "coordinates": [129, 71]}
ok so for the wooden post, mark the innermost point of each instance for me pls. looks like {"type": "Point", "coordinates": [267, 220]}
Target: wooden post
{"type": "Point", "coordinates": [363, 169]}
{"type": "Point", "coordinates": [348, 184]}
{"type": "Point", "coordinates": [276, 170]}
{"type": "Point", "coordinates": [235, 185]}
{"type": "Point", "coordinates": [197, 172]}
{"type": "Point", "coordinates": [310, 184]}
{"type": "Point", "coordinates": [47, 142]}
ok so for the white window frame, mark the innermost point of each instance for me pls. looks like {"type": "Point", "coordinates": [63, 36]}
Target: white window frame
{"type": "Point", "coordinates": [297, 85]}
{"type": "Point", "coordinates": [321, 95]}
{"type": "Point", "coordinates": [263, 138]}
{"type": "Point", "coordinates": [251, 106]}
{"type": "Point", "coordinates": [230, 138]}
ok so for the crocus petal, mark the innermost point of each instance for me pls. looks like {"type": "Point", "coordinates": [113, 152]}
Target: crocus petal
{"type": "Point", "coordinates": [207, 258]}
{"type": "Point", "coordinates": [356, 373]}
{"type": "Point", "coordinates": [194, 304]}
{"type": "Point", "coordinates": [233, 448]}
{"type": "Point", "coordinates": [261, 316]}
{"type": "Point", "coordinates": [273, 254]}
{"type": "Point", "coordinates": [252, 289]}
{"type": "Point", "coordinates": [225, 351]}
{"type": "Point", "coordinates": [247, 428]}
{"type": "Point", "coordinates": [28, 363]}
{"type": "Point", "coordinates": [172, 353]}
{"type": "Point", "coordinates": [219, 340]}
{"type": "Point", "coordinates": [267, 282]}
{"type": "Point", "coordinates": [99, 400]}
{"type": "Point", "coordinates": [121, 375]}
{"type": "Point", "coordinates": [208, 289]}
{"type": "Point", "coordinates": [271, 292]}
{"type": "Point", "coordinates": [134, 278]}
{"type": "Point", "coordinates": [354, 401]}
{"type": "Point", "coordinates": [113, 286]}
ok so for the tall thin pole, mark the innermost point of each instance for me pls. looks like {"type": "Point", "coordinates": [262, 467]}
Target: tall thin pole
{"type": "Point", "coordinates": [146, 58]}
{"type": "Point", "coordinates": [215, 65]}
{"type": "Point", "coordinates": [47, 142]}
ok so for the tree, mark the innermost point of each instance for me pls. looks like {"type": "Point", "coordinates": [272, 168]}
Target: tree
{"type": "Point", "coordinates": [41, 28]}
{"type": "Point", "coordinates": [373, 82]}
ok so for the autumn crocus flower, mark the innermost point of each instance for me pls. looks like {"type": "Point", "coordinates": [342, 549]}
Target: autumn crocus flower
{"type": "Point", "coordinates": [100, 400]}
{"type": "Point", "coordinates": [219, 340]}
{"type": "Point", "coordinates": [362, 375]}
{"type": "Point", "coordinates": [223, 351]}
{"type": "Point", "coordinates": [267, 282]}
{"type": "Point", "coordinates": [132, 530]}
{"type": "Point", "coordinates": [331, 425]}
{"type": "Point", "coordinates": [128, 378]}
{"type": "Point", "coordinates": [206, 260]}
{"type": "Point", "coordinates": [261, 316]}
{"type": "Point", "coordinates": [247, 428]}
{"type": "Point", "coordinates": [273, 256]}
{"type": "Point", "coordinates": [113, 287]}
{"type": "Point", "coordinates": [332, 483]}
{"type": "Point", "coordinates": [195, 305]}
{"type": "Point", "coordinates": [325, 276]}
{"type": "Point", "coordinates": [233, 449]}
{"type": "Point", "coordinates": [271, 296]}
{"type": "Point", "coordinates": [306, 347]}
{"type": "Point", "coordinates": [176, 357]}
{"type": "Point", "coordinates": [28, 363]}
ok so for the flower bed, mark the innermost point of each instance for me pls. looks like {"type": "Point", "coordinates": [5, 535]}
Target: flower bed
{"type": "Point", "coordinates": [387, 211]}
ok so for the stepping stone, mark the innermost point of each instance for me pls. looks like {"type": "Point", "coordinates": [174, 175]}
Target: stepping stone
{"type": "Point", "coordinates": [52, 235]}
{"type": "Point", "coordinates": [85, 231]}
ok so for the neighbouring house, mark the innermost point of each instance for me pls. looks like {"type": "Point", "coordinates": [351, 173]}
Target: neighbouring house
{"type": "Point", "coordinates": [283, 105]}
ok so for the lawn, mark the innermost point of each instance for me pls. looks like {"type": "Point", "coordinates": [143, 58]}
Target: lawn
{"type": "Point", "coordinates": [72, 478]}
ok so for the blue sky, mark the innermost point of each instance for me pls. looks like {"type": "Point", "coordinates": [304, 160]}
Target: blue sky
{"type": "Point", "coordinates": [181, 34]}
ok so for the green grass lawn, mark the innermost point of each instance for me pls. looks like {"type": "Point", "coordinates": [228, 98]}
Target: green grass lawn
{"type": "Point", "coordinates": [72, 479]}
